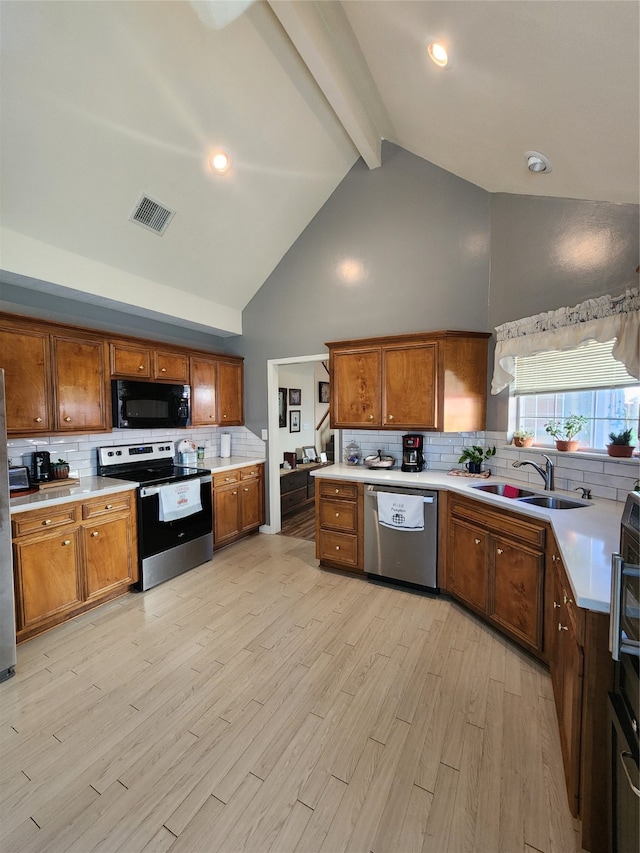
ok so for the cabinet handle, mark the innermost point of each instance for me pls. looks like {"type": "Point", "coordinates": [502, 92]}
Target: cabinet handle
{"type": "Point", "coordinates": [562, 627]}
{"type": "Point", "coordinates": [623, 757]}
{"type": "Point", "coordinates": [67, 419]}
{"type": "Point", "coordinates": [337, 515]}
{"type": "Point", "coordinates": [38, 420]}
{"type": "Point", "coordinates": [109, 506]}
{"type": "Point", "coordinates": [337, 547]}
{"type": "Point", "coordinates": [211, 417]}
{"type": "Point", "coordinates": [500, 551]}
{"type": "Point", "coordinates": [224, 417]}
{"type": "Point", "coordinates": [141, 367]}
{"type": "Point", "coordinates": [566, 599]}
{"type": "Point", "coordinates": [48, 521]}
{"type": "Point", "coordinates": [245, 490]}
{"type": "Point", "coordinates": [163, 370]}
{"type": "Point", "coordinates": [370, 417]}
{"type": "Point", "coordinates": [555, 604]}
{"type": "Point", "coordinates": [95, 533]}
{"type": "Point", "coordinates": [66, 541]}
{"type": "Point", "coordinates": [390, 417]}
{"type": "Point", "coordinates": [477, 541]}
{"type": "Point", "coordinates": [234, 493]}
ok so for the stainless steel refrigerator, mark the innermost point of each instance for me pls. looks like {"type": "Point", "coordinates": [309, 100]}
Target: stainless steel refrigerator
{"type": "Point", "coordinates": [7, 606]}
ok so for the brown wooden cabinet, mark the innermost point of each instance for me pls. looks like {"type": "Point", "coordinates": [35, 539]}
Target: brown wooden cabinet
{"type": "Point", "coordinates": [238, 503]}
{"type": "Point", "coordinates": [230, 409]}
{"type": "Point", "coordinates": [339, 524]}
{"type": "Point", "coordinates": [217, 392]}
{"type": "Point", "coordinates": [79, 384]}
{"type": "Point", "coordinates": [129, 360]}
{"type": "Point", "coordinates": [429, 381]}
{"type": "Point", "coordinates": [55, 380]}
{"type": "Point", "coordinates": [70, 557]}
{"type": "Point", "coordinates": [495, 565]}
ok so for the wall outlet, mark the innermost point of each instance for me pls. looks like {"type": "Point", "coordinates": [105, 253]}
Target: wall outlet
{"type": "Point", "coordinates": [264, 435]}
{"type": "Point", "coordinates": [306, 426]}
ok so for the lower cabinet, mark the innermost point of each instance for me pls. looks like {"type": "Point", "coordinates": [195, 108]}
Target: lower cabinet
{"type": "Point", "coordinates": [70, 557]}
{"type": "Point", "coordinates": [238, 503]}
{"type": "Point", "coordinates": [340, 524]}
{"type": "Point", "coordinates": [495, 565]}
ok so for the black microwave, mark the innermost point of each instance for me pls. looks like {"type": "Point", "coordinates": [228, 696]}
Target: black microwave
{"type": "Point", "coordinates": [149, 405]}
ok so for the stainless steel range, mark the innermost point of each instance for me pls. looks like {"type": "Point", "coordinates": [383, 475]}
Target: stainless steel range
{"type": "Point", "coordinates": [175, 518]}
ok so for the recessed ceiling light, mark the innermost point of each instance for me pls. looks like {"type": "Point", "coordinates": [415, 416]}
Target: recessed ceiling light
{"type": "Point", "coordinates": [438, 54]}
{"type": "Point", "coordinates": [538, 163]}
{"type": "Point", "coordinates": [220, 162]}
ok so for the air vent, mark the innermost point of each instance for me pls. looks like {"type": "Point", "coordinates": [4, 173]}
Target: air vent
{"type": "Point", "coordinates": [152, 215]}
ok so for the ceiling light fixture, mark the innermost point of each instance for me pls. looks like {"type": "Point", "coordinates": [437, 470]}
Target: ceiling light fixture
{"type": "Point", "coordinates": [220, 162]}
{"type": "Point", "coordinates": [538, 163]}
{"type": "Point", "coordinates": [438, 54]}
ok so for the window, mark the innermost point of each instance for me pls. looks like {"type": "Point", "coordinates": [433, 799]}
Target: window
{"type": "Point", "coordinates": [585, 381]}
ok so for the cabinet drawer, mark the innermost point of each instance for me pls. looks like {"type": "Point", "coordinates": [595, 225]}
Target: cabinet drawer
{"type": "Point", "coordinates": [291, 500]}
{"type": "Point", "coordinates": [250, 473]}
{"type": "Point", "coordinates": [170, 366]}
{"type": "Point", "coordinates": [226, 477]}
{"type": "Point", "coordinates": [36, 521]}
{"type": "Point", "coordinates": [293, 481]}
{"type": "Point", "coordinates": [341, 515]}
{"type": "Point", "coordinates": [501, 522]}
{"type": "Point", "coordinates": [110, 503]}
{"type": "Point", "coordinates": [338, 548]}
{"type": "Point", "coordinates": [335, 488]}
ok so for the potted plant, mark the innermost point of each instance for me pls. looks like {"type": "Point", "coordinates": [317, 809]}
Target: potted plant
{"type": "Point", "coordinates": [621, 446]}
{"type": "Point", "coordinates": [474, 457]}
{"type": "Point", "coordinates": [564, 431]}
{"type": "Point", "coordinates": [60, 470]}
{"type": "Point", "coordinates": [523, 437]}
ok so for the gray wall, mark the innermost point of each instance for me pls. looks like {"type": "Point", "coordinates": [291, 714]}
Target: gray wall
{"type": "Point", "coordinates": [550, 252]}
{"type": "Point", "coordinates": [421, 234]}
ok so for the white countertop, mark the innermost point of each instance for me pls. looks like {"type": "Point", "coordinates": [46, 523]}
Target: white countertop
{"type": "Point", "coordinates": [85, 487]}
{"type": "Point", "coordinates": [586, 537]}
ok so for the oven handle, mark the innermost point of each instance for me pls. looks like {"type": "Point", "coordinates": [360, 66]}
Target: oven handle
{"type": "Point", "coordinates": [624, 756]}
{"type": "Point", "coordinates": [614, 617]}
{"type": "Point", "coordinates": [149, 491]}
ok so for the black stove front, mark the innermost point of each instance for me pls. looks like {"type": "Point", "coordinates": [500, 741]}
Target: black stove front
{"type": "Point", "coordinates": [175, 514]}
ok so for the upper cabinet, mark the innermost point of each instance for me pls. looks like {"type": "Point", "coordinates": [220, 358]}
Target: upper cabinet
{"type": "Point", "coordinates": [428, 381]}
{"type": "Point", "coordinates": [217, 391]}
{"type": "Point", "coordinates": [57, 377]}
{"type": "Point", "coordinates": [132, 361]}
{"type": "Point", "coordinates": [55, 380]}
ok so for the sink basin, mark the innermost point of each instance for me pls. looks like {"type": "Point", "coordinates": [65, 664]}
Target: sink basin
{"type": "Point", "coordinates": [552, 502]}
{"type": "Point", "coordinates": [506, 490]}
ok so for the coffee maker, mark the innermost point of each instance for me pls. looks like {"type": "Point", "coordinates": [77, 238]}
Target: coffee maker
{"type": "Point", "coordinates": [412, 457]}
{"type": "Point", "coordinates": [41, 467]}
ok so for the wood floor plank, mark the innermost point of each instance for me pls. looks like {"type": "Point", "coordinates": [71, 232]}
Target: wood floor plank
{"type": "Point", "coordinates": [260, 703]}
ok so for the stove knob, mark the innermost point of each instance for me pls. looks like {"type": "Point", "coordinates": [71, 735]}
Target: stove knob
{"type": "Point", "coordinates": [118, 453]}
{"type": "Point", "coordinates": [110, 453]}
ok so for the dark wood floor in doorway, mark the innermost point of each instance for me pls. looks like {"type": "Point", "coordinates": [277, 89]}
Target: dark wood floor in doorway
{"type": "Point", "coordinates": [301, 525]}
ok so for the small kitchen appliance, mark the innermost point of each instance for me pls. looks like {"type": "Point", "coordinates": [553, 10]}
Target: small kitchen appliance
{"type": "Point", "coordinates": [41, 467]}
{"type": "Point", "coordinates": [19, 480]}
{"type": "Point", "coordinates": [412, 455]}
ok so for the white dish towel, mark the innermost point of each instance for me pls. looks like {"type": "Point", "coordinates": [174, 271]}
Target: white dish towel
{"type": "Point", "coordinates": [401, 512]}
{"type": "Point", "coordinates": [178, 500]}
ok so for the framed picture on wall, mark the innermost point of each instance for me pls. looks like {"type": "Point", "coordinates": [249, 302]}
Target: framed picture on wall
{"type": "Point", "coordinates": [294, 420]}
{"type": "Point", "coordinates": [282, 407]}
{"type": "Point", "coordinates": [295, 396]}
{"type": "Point", "coordinates": [323, 392]}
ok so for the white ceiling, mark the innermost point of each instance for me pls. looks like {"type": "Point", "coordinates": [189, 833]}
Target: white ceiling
{"type": "Point", "coordinates": [102, 102]}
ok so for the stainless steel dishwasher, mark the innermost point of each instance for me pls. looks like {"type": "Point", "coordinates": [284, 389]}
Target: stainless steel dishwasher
{"type": "Point", "coordinates": [403, 555]}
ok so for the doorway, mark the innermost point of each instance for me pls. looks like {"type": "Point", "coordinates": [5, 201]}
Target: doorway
{"type": "Point", "coordinates": [273, 424]}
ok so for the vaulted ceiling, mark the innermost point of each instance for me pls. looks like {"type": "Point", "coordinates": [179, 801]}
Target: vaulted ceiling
{"type": "Point", "coordinates": [103, 102]}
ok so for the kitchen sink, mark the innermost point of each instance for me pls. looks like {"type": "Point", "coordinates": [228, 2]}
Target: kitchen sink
{"type": "Point", "coordinates": [505, 490]}
{"type": "Point", "coordinates": [552, 502]}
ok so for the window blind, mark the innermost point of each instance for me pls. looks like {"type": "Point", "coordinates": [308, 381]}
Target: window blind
{"type": "Point", "coordinates": [589, 366]}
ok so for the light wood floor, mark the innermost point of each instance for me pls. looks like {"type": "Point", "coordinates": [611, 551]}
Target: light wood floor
{"type": "Point", "coordinates": [259, 703]}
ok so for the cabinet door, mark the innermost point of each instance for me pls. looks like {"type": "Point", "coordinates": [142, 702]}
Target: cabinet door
{"type": "Point", "coordinates": [252, 504]}
{"type": "Point", "coordinates": [469, 573]}
{"type": "Point", "coordinates": [79, 385]}
{"type": "Point", "coordinates": [230, 393]}
{"type": "Point", "coordinates": [130, 360]}
{"type": "Point", "coordinates": [109, 557]}
{"type": "Point", "coordinates": [25, 359]}
{"type": "Point", "coordinates": [204, 374]}
{"type": "Point", "coordinates": [516, 600]}
{"type": "Point", "coordinates": [409, 396]}
{"type": "Point", "coordinates": [47, 578]}
{"type": "Point", "coordinates": [226, 513]}
{"type": "Point", "coordinates": [570, 713]}
{"type": "Point", "coordinates": [171, 366]}
{"type": "Point", "coordinates": [355, 388]}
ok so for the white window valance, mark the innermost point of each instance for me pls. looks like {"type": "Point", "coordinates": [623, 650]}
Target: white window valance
{"type": "Point", "coordinates": [601, 319]}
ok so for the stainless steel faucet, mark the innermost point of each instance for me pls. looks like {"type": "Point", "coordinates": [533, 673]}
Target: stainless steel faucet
{"type": "Point", "coordinates": [546, 473]}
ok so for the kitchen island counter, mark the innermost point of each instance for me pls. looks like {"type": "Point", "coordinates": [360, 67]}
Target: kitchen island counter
{"type": "Point", "coordinates": [586, 536]}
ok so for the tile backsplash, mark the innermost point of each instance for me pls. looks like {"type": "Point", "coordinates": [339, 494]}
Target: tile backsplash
{"type": "Point", "coordinates": [605, 476]}
{"type": "Point", "coordinates": [80, 451]}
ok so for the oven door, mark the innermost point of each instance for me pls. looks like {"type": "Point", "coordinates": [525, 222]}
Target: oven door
{"type": "Point", "coordinates": [156, 536]}
{"type": "Point", "coordinates": [624, 623]}
{"type": "Point", "coordinates": [625, 781]}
